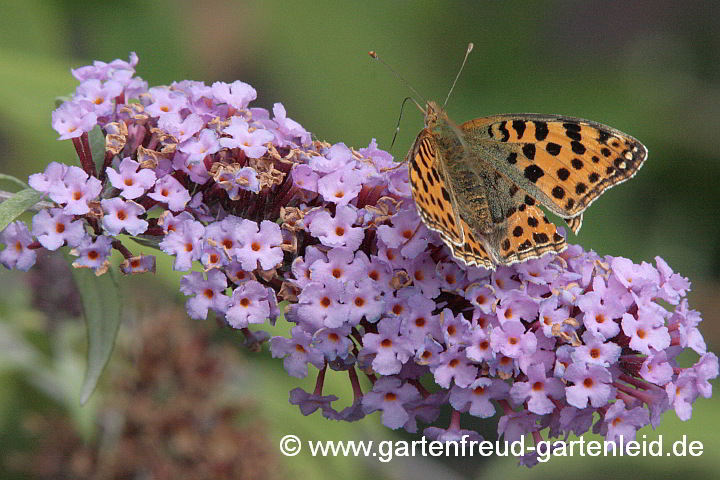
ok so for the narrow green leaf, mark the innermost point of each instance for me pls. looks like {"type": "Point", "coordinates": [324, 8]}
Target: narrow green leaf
{"type": "Point", "coordinates": [10, 178]}
{"type": "Point", "coordinates": [103, 312]}
{"type": "Point", "coordinates": [14, 206]}
{"type": "Point", "coordinates": [97, 147]}
{"type": "Point", "coordinates": [147, 241]}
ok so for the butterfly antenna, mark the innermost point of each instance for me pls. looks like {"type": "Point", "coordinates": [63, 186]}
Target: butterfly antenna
{"type": "Point", "coordinates": [397, 127]}
{"type": "Point", "coordinates": [469, 49]}
{"type": "Point", "coordinates": [374, 55]}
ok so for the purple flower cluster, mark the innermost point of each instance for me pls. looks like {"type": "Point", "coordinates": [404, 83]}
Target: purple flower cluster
{"type": "Point", "coordinates": [333, 234]}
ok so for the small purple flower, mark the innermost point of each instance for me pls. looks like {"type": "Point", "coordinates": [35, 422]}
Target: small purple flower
{"type": "Point", "coordinates": [456, 329]}
{"type": "Point", "coordinates": [234, 180]}
{"type": "Point", "coordinates": [131, 181]}
{"type": "Point", "coordinates": [481, 296]}
{"type": "Point", "coordinates": [181, 129]}
{"type": "Point", "coordinates": [53, 228]}
{"type": "Point", "coordinates": [138, 264]}
{"type": "Point", "coordinates": [538, 390]}
{"type": "Point", "coordinates": [427, 409]}
{"type": "Point", "coordinates": [16, 238]}
{"type": "Point", "coordinates": [297, 351]}
{"type": "Point", "coordinates": [94, 254]}
{"type": "Point", "coordinates": [253, 141]}
{"type": "Point", "coordinates": [422, 273]}
{"type": "Point", "coordinates": [319, 305]}
{"type": "Point", "coordinates": [100, 95]}
{"type": "Point", "coordinates": [419, 322]}
{"type": "Point", "coordinates": [237, 94]}
{"type": "Point", "coordinates": [476, 397]}
{"type": "Point", "coordinates": [632, 276]}
{"type": "Point", "coordinates": [339, 264]}
{"type": "Point", "coordinates": [169, 190]}
{"type": "Point", "coordinates": [551, 313]}
{"type": "Point", "coordinates": [337, 231]}
{"type": "Point", "coordinates": [406, 233]}
{"type": "Point", "coordinates": [208, 293]}
{"type": "Point", "coordinates": [304, 177]}
{"type": "Point", "coordinates": [645, 332]}
{"type": "Point", "coordinates": [333, 342]}
{"type": "Point", "coordinates": [517, 424]}
{"type": "Point", "coordinates": [515, 306]}
{"type": "Point", "coordinates": [624, 423]}
{"type": "Point", "coordinates": [72, 119]}
{"type": "Point", "coordinates": [258, 244]}
{"type": "Point", "coordinates": [288, 129]}
{"type": "Point", "coordinates": [512, 340]}
{"type": "Point", "coordinates": [123, 215]}
{"type": "Point", "coordinates": [591, 383]}
{"type": "Point", "coordinates": [392, 397]}
{"type": "Point", "coordinates": [363, 300]}
{"type": "Point", "coordinates": [249, 304]}
{"type": "Point", "coordinates": [428, 352]}
{"type": "Point", "coordinates": [76, 189]}
{"type": "Point", "coordinates": [656, 369]}
{"type": "Point", "coordinates": [185, 242]}
{"type": "Point", "coordinates": [683, 326]}
{"type": "Point", "coordinates": [453, 365]}
{"type": "Point", "coordinates": [52, 177]}
{"type": "Point", "coordinates": [705, 369]}
{"type": "Point", "coordinates": [340, 186]}
{"type": "Point", "coordinates": [596, 351]}
{"type": "Point", "coordinates": [672, 285]}
{"type": "Point", "coordinates": [479, 349]}
{"type": "Point", "coordinates": [104, 71]}
{"type": "Point", "coordinates": [309, 402]}
{"type": "Point", "coordinates": [389, 348]}
{"type": "Point", "coordinates": [338, 156]}
{"type": "Point", "coordinates": [200, 146]}
{"type": "Point", "coordinates": [165, 101]}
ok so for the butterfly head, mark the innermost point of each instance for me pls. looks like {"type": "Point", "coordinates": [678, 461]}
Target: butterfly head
{"type": "Point", "coordinates": [434, 115]}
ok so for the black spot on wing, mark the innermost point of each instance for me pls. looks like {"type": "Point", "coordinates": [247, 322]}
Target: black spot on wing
{"type": "Point", "coordinates": [502, 127]}
{"type": "Point", "coordinates": [577, 147]}
{"type": "Point", "coordinates": [553, 149]}
{"type": "Point", "coordinates": [533, 173]}
{"type": "Point", "coordinates": [541, 131]}
{"type": "Point", "coordinates": [529, 150]}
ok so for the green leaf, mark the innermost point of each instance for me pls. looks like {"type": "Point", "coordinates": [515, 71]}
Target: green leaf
{"type": "Point", "coordinates": [16, 205]}
{"type": "Point", "coordinates": [97, 147]}
{"type": "Point", "coordinates": [103, 312]}
{"type": "Point", "coordinates": [151, 241]}
{"type": "Point", "coordinates": [15, 180]}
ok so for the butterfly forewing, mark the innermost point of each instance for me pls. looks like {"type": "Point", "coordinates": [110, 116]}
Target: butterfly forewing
{"type": "Point", "coordinates": [433, 197]}
{"type": "Point", "coordinates": [564, 162]}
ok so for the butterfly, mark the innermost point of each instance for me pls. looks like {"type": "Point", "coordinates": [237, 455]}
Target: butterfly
{"type": "Point", "coordinates": [479, 184]}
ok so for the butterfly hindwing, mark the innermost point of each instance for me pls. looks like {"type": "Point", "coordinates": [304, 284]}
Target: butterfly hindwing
{"type": "Point", "coordinates": [527, 233]}
{"type": "Point", "coordinates": [564, 162]}
{"type": "Point", "coordinates": [432, 195]}
{"type": "Point", "coordinates": [472, 251]}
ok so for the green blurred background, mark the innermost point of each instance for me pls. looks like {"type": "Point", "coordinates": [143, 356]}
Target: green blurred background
{"type": "Point", "coordinates": [649, 68]}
